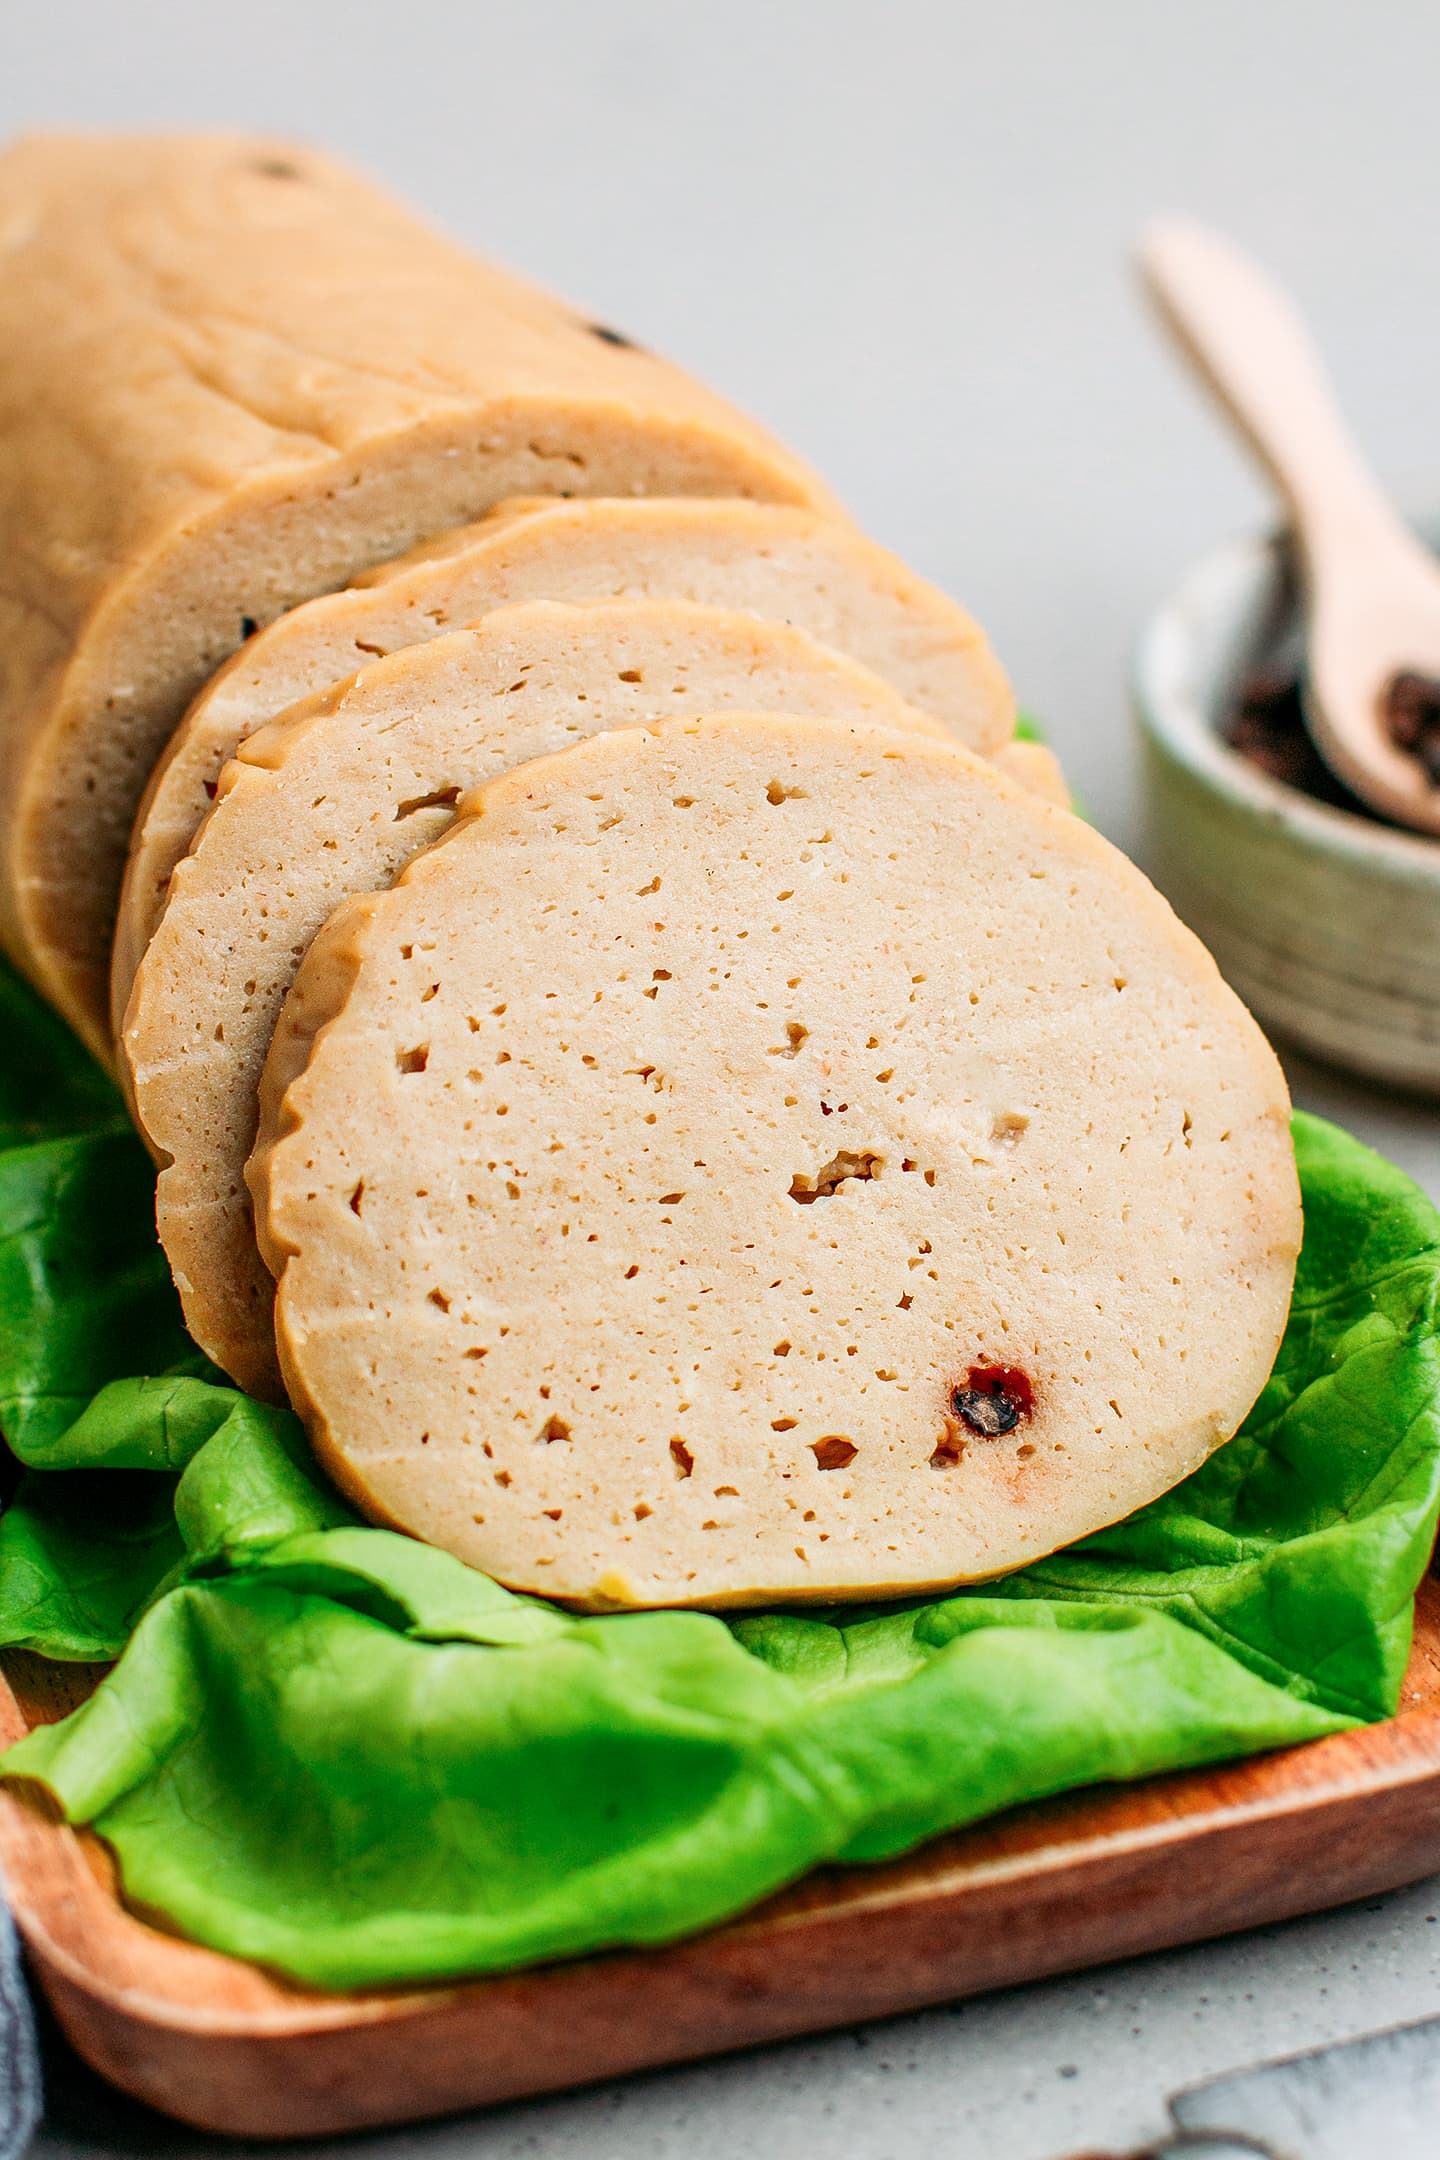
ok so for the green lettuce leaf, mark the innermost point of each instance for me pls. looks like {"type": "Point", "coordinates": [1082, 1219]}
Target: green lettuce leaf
{"type": "Point", "coordinates": [48, 1085]}
{"type": "Point", "coordinates": [85, 1294]}
{"type": "Point", "coordinates": [83, 1554]}
{"type": "Point", "coordinates": [80, 1559]}
{"type": "Point", "coordinates": [301, 1781]}
{"type": "Point", "coordinates": [344, 1754]}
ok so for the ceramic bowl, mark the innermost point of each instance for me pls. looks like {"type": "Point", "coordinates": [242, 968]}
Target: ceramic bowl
{"type": "Point", "coordinates": [1325, 921]}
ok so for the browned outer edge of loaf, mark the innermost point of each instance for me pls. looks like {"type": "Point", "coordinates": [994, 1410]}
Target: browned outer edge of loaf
{"type": "Point", "coordinates": [75, 632]}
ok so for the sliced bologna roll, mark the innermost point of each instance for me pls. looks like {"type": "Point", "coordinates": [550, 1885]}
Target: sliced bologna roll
{"type": "Point", "coordinates": [231, 376]}
{"type": "Point", "coordinates": [900, 1206]}
{"type": "Point", "coordinates": [787, 564]}
{"type": "Point", "coordinates": [334, 798]}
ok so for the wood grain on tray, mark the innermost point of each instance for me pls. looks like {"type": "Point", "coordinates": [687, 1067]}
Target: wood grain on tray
{"type": "Point", "coordinates": [1045, 1889]}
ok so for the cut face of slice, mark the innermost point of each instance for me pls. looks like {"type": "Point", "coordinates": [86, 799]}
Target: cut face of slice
{"type": "Point", "coordinates": [789, 565]}
{"type": "Point", "coordinates": [232, 375]}
{"type": "Point", "coordinates": [334, 798]}
{"type": "Point", "coordinates": [899, 1207]}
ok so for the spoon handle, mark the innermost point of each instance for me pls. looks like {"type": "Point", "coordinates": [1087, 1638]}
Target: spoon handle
{"type": "Point", "coordinates": [1249, 344]}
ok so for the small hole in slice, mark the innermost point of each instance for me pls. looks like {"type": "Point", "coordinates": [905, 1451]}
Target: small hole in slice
{"type": "Point", "coordinates": [441, 799]}
{"type": "Point", "coordinates": [840, 1170]}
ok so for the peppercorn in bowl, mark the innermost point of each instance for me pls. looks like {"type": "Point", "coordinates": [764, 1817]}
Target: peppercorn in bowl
{"type": "Point", "coordinates": [1325, 918]}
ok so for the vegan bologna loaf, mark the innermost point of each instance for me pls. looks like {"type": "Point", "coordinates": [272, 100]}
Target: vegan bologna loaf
{"type": "Point", "coordinates": [231, 376]}
{"type": "Point", "coordinates": [333, 798]}
{"type": "Point", "coordinates": [885, 1212]}
{"type": "Point", "coordinates": [772, 561]}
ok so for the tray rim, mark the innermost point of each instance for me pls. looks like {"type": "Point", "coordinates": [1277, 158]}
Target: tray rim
{"type": "Point", "coordinates": [1057, 1885]}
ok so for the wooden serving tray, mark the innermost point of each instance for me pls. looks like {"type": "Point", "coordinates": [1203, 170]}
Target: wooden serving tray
{"type": "Point", "coordinates": [1045, 1889]}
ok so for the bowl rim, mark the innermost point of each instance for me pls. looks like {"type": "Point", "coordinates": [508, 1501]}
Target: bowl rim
{"type": "Point", "coordinates": [1227, 584]}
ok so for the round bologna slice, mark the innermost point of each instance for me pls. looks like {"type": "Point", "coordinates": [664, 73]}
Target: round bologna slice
{"type": "Point", "coordinates": [788, 564]}
{"type": "Point", "coordinates": [753, 1160]}
{"type": "Point", "coordinates": [334, 798]}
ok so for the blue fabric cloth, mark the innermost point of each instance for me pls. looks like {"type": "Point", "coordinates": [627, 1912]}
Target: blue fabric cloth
{"type": "Point", "coordinates": [19, 2059]}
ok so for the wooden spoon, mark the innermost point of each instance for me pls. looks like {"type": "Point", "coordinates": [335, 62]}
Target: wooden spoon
{"type": "Point", "coordinates": [1372, 589]}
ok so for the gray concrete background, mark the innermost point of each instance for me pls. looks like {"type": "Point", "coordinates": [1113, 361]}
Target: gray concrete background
{"type": "Point", "coordinates": [899, 234]}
